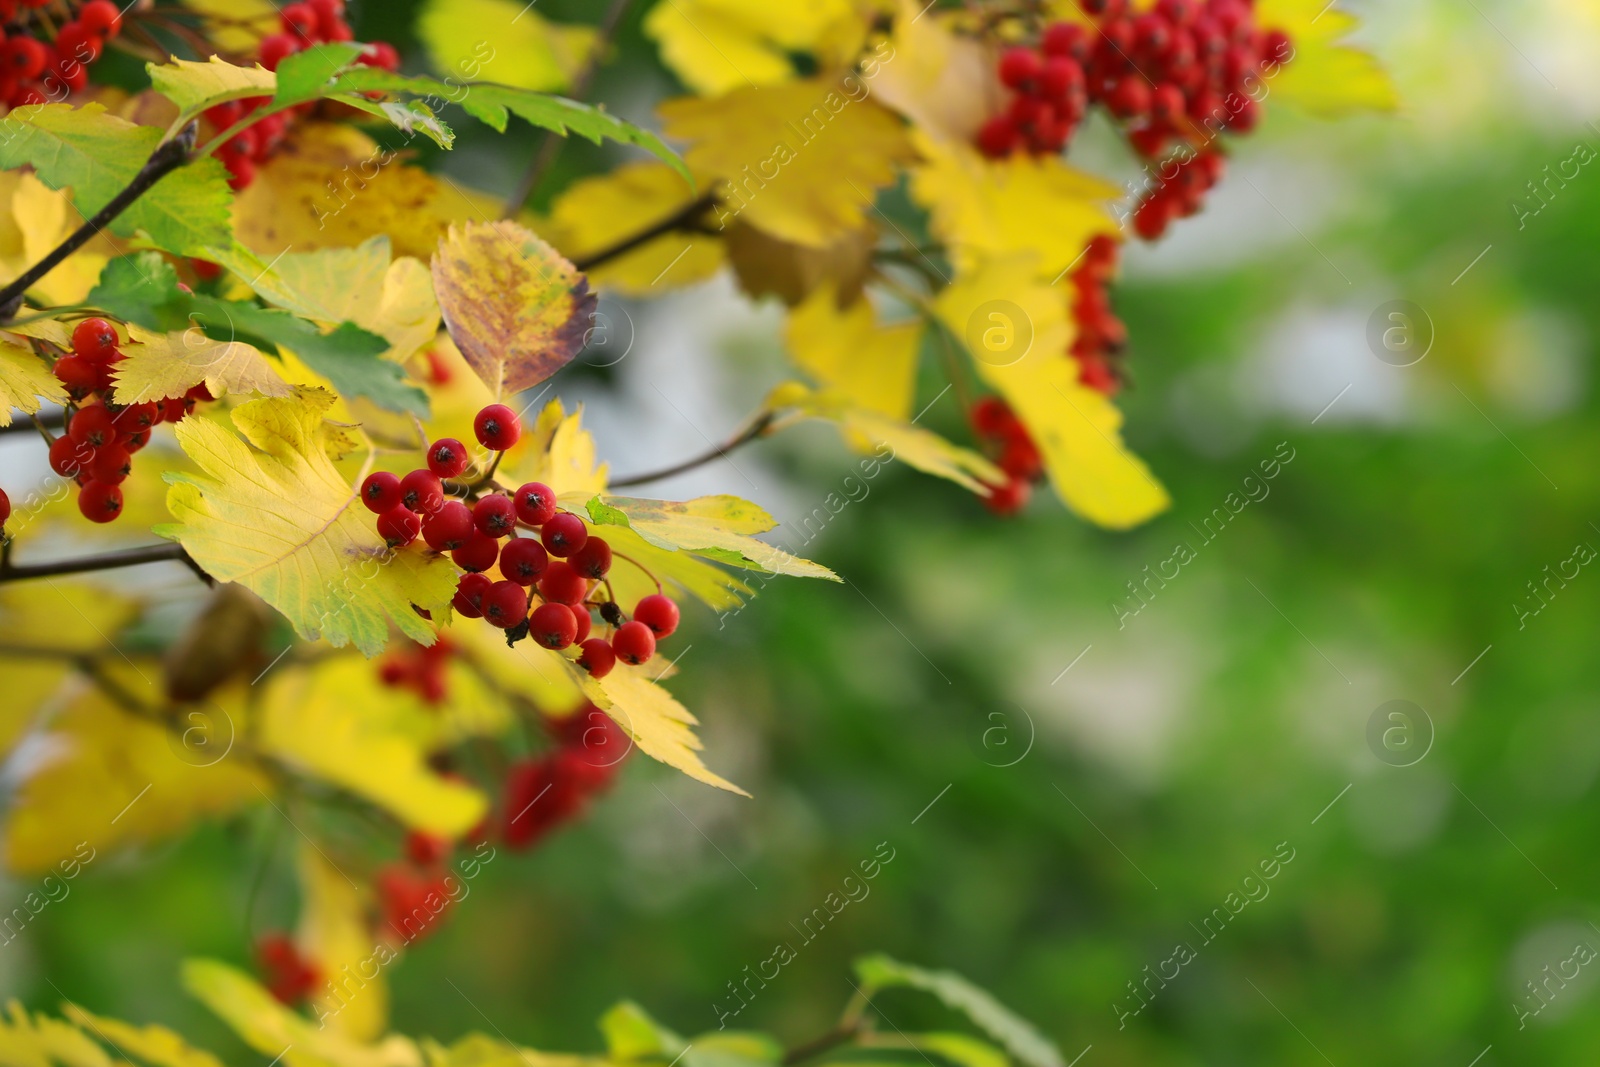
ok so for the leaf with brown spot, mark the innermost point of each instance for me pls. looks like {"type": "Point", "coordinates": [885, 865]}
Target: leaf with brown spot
{"type": "Point", "coordinates": [516, 308]}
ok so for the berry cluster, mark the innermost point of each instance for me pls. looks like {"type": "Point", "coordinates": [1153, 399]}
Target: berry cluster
{"type": "Point", "coordinates": [419, 668]}
{"type": "Point", "coordinates": [542, 793]}
{"type": "Point", "coordinates": [305, 24]}
{"type": "Point", "coordinates": [42, 58]}
{"type": "Point", "coordinates": [1101, 335]}
{"type": "Point", "coordinates": [414, 893]}
{"type": "Point", "coordinates": [1007, 440]}
{"type": "Point", "coordinates": [547, 583]}
{"type": "Point", "coordinates": [97, 449]}
{"type": "Point", "coordinates": [290, 977]}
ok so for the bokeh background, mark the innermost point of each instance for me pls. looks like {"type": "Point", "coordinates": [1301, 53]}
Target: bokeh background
{"type": "Point", "coordinates": [1069, 794]}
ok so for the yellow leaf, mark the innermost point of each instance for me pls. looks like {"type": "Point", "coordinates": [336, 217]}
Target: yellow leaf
{"type": "Point", "coordinates": [887, 439]}
{"type": "Point", "coordinates": [155, 1045]}
{"type": "Point", "coordinates": [479, 1050]}
{"type": "Point", "coordinates": [40, 1041]}
{"type": "Point", "coordinates": [333, 723]}
{"type": "Point", "coordinates": [983, 209]}
{"type": "Point", "coordinates": [946, 84]}
{"type": "Point", "coordinates": [717, 45]}
{"type": "Point", "coordinates": [561, 454]}
{"type": "Point", "coordinates": [157, 365]}
{"type": "Point", "coordinates": [390, 297]}
{"type": "Point", "coordinates": [280, 520]}
{"type": "Point", "coordinates": [1077, 429]}
{"type": "Point", "coordinates": [34, 219]}
{"type": "Point", "coordinates": [709, 584]}
{"type": "Point", "coordinates": [766, 265]}
{"type": "Point", "coordinates": [115, 778]}
{"type": "Point", "coordinates": [658, 724]}
{"type": "Point", "coordinates": [196, 86]}
{"type": "Point", "coordinates": [594, 213]}
{"type": "Point", "coordinates": [504, 42]}
{"type": "Point", "coordinates": [802, 160]}
{"type": "Point", "coordinates": [515, 307]}
{"type": "Point", "coordinates": [236, 25]}
{"type": "Point", "coordinates": [333, 932]}
{"type": "Point", "coordinates": [718, 527]}
{"type": "Point", "coordinates": [1324, 77]}
{"type": "Point", "coordinates": [274, 1030]}
{"type": "Point", "coordinates": [536, 674]}
{"type": "Point", "coordinates": [871, 365]}
{"type": "Point", "coordinates": [24, 379]}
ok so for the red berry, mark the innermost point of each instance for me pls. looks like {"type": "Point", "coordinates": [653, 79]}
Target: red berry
{"type": "Point", "coordinates": [1010, 498]}
{"type": "Point", "coordinates": [5, 507]}
{"type": "Point", "coordinates": [563, 585]}
{"type": "Point", "coordinates": [93, 425]}
{"type": "Point", "coordinates": [495, 516]}
{"type": "Point", "coordinates": [134, 442]}
{"type": "Point", "coordinates": [275, 48]}
{"type": "Point", "coordinates": [95, 340]}
{"type": "Point", "coordinates": [447, 457]}
{"type": "Point", "coordinates": [553, 626]}
{"type": "Point", "coordinates": [26, 57]}
{"type": "Point", "coordinates": [101, 17]}
{"type": "Point", "coordinates": [1019, 67]}
{"type": "Point", "coordinates": [1061, 77]}
{"type": "Point", "coordinates": [633, 642]}
{"type": "Point", "coordinates": [505, 604]}
{"type": "Point", "coordinates": [563, 534]}
{"type": "Point", "coordinates": [330, 18]}
{"type": "Point", "coordinates": [1066, 39]}
{"type": "Point", "coordinates": [585, 624]}
{"type": "Point", "coordinates": [1130, 98]}
{"type": "Point", "coordinates": [380, 492]}
{"type": "Point", "coordinates": [536, 503]}
{"type": "Point", "coordinates": [998, 137]}
{"type": "Point", "coordinates": [497, 427]}
{"type": "Point", "coordinates": [449, 527]}
{"type": "Point", "coordinates": [523, 559]}
{"type": "Point", "coordinates": [136, 418]}
{"type": "Point", "coordinates": [299, 19]}
{"type": "Point", "coordinates": [659, 613]}
{"type": "Point", "coordinates": [399, 526]}
{"type": "Point", "coordinates": [79, 376]}
{"type": "Point", "coordinates": [598, 657]}
{"type": "Point", "coordinates": [100, 502]}
{"type": "Point", "coordinates": [1245, 118]}
{"type": "Point", "coordinates": [173, 409]}
{"type": "Point", "coordinates": [421, 492]}
{"type": "Point", "coordinates": [425, 850]}
{"type": "Point", "coordinates": [111, 464]}
{"type": "Point", "coordinates": [478, 554]}
{"type": "Point", "coordinates": [68, 457]}
{"type": "Point", "coordinates": [470, 590]}
{"type": "Point", "coordinates": [593, 560]}
{"type": "Point", "coordinates": [381, 54]}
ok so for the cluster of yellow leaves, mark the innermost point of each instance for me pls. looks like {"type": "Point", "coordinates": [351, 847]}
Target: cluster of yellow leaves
{"type": "Point", "coordinates": [718, 45]}
{"type": "Point", "coordinates": [504, 42]}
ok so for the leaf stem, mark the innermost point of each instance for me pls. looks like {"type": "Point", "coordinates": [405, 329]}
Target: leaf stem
{"type": "Point", "coordinates": [168, 157]}
{"type": "Point", "coordinates": [681, 219]}
{"type": "Point", "coordinates": [756, 429]}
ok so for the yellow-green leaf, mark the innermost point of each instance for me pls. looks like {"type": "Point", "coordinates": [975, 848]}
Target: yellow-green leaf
{"type": "Point", "coordinates": [197, 86]}
{"type": "Point", "coordinates": [40, 1041]}
{"type": "Point", "coordinates": [719, 527]}
{"type": "Point", "coordinates": [1324, 77]}
{"type": "Point", "coordinates": [160, 365]}
{"type": "Point", "coordinates": [24, 379]}
{"type": "Point", "coordinates": [364, 285]}
{"type": "Point", "coordinates": [658, 724]}
{"type": "Point", "coordinates": [846, 350]}
{"type": "Point", "coordinates": [281, 520]}
{"type": "Point", "coordinates": [333, 931]}
{"type": "Point", "coordinates": [155, 1045]}
{"type": "Point", "coordinates": [718, 45]}
{"type": "Point", "coordinates": [516, 308]}
{"type": "Point", "coordinates": [504, 42]}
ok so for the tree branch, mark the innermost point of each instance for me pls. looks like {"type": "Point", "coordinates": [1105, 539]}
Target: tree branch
{"type": "Point", "coordinates": [738, 440]}
{"type": "Point", "coordinates": [168, 157]}
{"type": "Point", "coordinates": [104, 561]}
{"type": "Point", "coordinates": [678, 220]}
{"type": "Point", "coordinates": [54, 421]}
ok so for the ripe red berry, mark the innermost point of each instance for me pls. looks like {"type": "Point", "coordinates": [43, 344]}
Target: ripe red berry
{"type": "Point", "coordinates": [101, 17]}
{"type": "Point", "coordinates": [505, 604]}
{"type": "Point", "coordinates": [563, 585]}
{"type": "Point", "coordinates": [5, 507]}
{"type": "Point", "coordinates": [1166, 102]}
{"type": "Point", "coordinates": [93, 425]}
{"type": "Point", "coordinates": [497, 427]}
{"type": "Point", "coordinates": [299, 19]}
{"type": "Point", "coordinates": [633, 642]}
{"type": "Point", "coordinates": [275, 48]}
{"type": "Point", "coordinates": [95, 340]}
{"type": "Point", "coordinates": [1130, 98]}
{"type": "Point", "coordinates": [399, 526]}
{"type": "Point", "coordinates": [111, 464]}
{"type": "Point", "coordinates": [598, 657]}
{"type": "Point", "coordinates": [380, 492]}
{"type": "Point", "coordinates": [535, 503]}
{"type": "Point", "coordinates": [26, 57]}
{"type": "Point", "coordinates": [523, 560]}
{"type": "Point", "coordinates": [585, 624]}
{"type": "Point", "coordinates": [68, 457]}
{"type": "Point", "coordinates": [79, 376]}
{"type": "Point", "coordinates": [136, 418]}
{"type": "Point", "coordinates": [593, 560]}
{"type": "Point", "coordinates": [173, 409]}
{"type": "Point", "coordinates": [470, 590]}
{"type": "Point", "coordinates": [425, 850]}
{"type": "Point", "coordinates": [1019, 67]}
{"type": "Point", "coordinates": [1061, 77]}
{"type": "Point", "coordinates": [1009, 498]}
{"type": "Point", "coordinates": [421, 492]}
{"type": "Point", "coordinates": [659, 613]}
{"type": "Point", "coordinates": [100, 502]}
{"type": "Point", "coordinates": [1066, 39]}
{"type": "Point", "coordinates": [449, 527]}
{"type": "Point", "coordinates": [447, 457]}
{"type": "Point", "coordinates": [999, 137]}
{"type": "Point", "coordinates": [136, 441]}
{"type": "Point", "coordinates": [563, 534]}
{"type": "Point", "coordinates": [478, 554]}
{"type": "Point", "coordinates": [553, 626]}
{"type": "Point", "coordinates": [495, 516]}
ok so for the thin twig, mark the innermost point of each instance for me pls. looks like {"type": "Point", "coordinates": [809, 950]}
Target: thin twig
{"type": "Point", "coordinates": [743, 437]}
{"type": "Point", "coordinates": [678, 220]}
{"type": "Point", "coordinates": [54, 421]}
{"type": "Point", "coordinates": [104, 561]}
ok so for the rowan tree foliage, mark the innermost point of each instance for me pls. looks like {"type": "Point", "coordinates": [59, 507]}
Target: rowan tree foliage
{"type": "Point", "coordinates": [255, 336]}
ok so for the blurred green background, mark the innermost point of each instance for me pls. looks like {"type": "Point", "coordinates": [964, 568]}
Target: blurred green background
{"type": "Point", "coordinates": [1148, 780]}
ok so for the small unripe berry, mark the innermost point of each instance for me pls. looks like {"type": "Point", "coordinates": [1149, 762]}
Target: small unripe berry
{"type": "Point", "coordinates": [447, 457]}
{"type": "Point", "coordinates": [468, 600]}
{"type": "Point", "coordinates": [100, 502]}
{"type": "Point", "coordinates": [633, 642]}
{"type": "Point", "coordinates": [495, 516]}
{"type": "Point", "coordinates": [562, 584]}
{"type": "Point", "coordinates": [421, 492]}
{"type": "Point", "coordinates": [380, 492]}
{"type": "Point", "coordinates": [659, 613]}
{"type": "Point", "coordinates": [497, 427]}
{"type": "Point", "coordinates": [449, 527]}
{"type": "Point", "coordinates": [553, 625]}
{"type": "Point", "coordinates": [478, 554]}
{"type": "Point", "coordinates": [598, 657]}
{"type": "Point", "coordinates": [593, 560]}
{"type": "Point", "coordinates": [523, 560]}
{"type": "Point", "coordinates": [563, 534]}
{"type": "Point", "coordinates": [505, 604]}
{"type": "Point", "coordinates": [536, 503]}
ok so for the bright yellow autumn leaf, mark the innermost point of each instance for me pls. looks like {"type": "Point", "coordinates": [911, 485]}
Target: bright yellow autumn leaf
{"type": "Point", "coordinates": [596, 212]}
{"type": "Point", "coordinates": [766, 265]}
{"type": "Point", "coordinates": [115, 778]}
{"type": "Point", "coordinates": [946, 83]}
{"type": "Point", "coordinates": [849, 351]}
{"type": "Point", "coordinates": [236, 25]}
{"type": "Point", "coordinates": [159, 365]}
{"type": "Point", "coordinates": [1326, 78]}
{"type": "Point", "coordinates": [562, 454]}
{"type": "Point", "coordinates": [154, 1045]}
{"type": "Point", "coordinates": [983, 209]}
{"type": "Point", "coordinates": [194, 86]}
{"type": "Point", "coordinates": [330, 722]}
{"type": "Point", "coordinates": [717, 45]}
{"type": "Point", "coordinates": [353, 997]}
{"type": "Point", "coordinates": [802, 160]}
{"type": "Point", "coordinates": [716, 527]}
{"type": "Point", "coordinates": [658, 724]}
{"type": "Point", "coordinates": [34, 219]}
{"type": "Point", "coordinates": [41, 1041]}
{"type": "Point", "coordinates": [504, 42]}
{"type": "Point", "coordinates": [392, 297]}
{"type": "Point", "coordinates": [281, 520]}
{"type": "Point", "coordinates": [25, 379]}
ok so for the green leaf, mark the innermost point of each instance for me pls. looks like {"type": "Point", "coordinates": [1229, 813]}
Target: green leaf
{"type": "Point", "coordinates": [716, 527]}
{"type": "Point", "coordinates": [631, 1034]}
{"type": "Point", "coordinates": [194, 87]}
{"type": "Point", "coordinates": [98, 154]}
{"type": "Point", "coordinates": [491, 104]}
{"type": "Point", "coordinates": [603, 514]}
{"type": "Point", "coordinates": [141, 288]}
{"type": "Point", "coordinates": [308, 75]}
{"type": "Point", "coordinates": [1019, 1037]}
{"type": "Point", "coordinates": [407, 116]}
